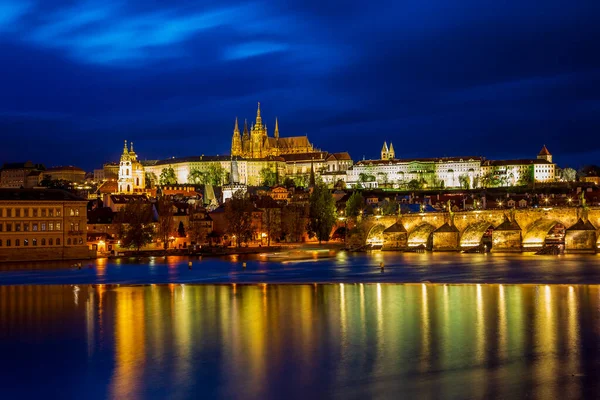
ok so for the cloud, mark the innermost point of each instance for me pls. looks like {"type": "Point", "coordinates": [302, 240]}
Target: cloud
{"type": "Point", "coordinates": [252, 49]}
{"type": "Point", "coordinates": [11, 12]}
{"type": "Point", "coordinates": [109, 33]}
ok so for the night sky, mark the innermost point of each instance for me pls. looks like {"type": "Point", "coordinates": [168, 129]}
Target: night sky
{"type": "Point", "coordinates": [438, 78]}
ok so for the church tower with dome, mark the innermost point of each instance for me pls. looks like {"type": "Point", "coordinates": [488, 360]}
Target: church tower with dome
{"type": "Point", "coordinates": [132, 178]}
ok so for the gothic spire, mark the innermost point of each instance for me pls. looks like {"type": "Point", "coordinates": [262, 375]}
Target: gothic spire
{"type": "Point", "coordinates": [131, 146]}
{"type": "Point", "coordinates": [236, 129]}
{"type": "Point", "coordinates": [384, 148]}
{"type": "Point", "coordinates": [258, 117]}
{"type": "Point", "coordinates": [276, 128]}
{"type": "Point", "coordinates": [246, 129]}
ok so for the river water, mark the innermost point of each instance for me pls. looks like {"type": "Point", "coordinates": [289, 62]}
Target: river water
{"type": "Point", "coordinates": [74, 336]}
{"type": "Point", "coordinates": [342, 267]}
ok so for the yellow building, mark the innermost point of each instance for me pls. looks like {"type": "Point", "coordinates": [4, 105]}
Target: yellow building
{"type": "Point", "coordinates": [256, 143]}
{"type": "Point", "coordinates": [42, 224]}
{"type": "Point", "coordinates": [131, 172]}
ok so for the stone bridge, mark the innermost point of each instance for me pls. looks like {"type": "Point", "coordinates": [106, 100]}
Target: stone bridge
{"type": "Point", "coordinates": [568, 228]}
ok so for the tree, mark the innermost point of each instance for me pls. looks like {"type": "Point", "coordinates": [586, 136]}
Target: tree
{"type": "Point", "coordinates": [150, 180]}
{"type": "Point", "coordinates": [465, 182]}
{"type": "Point", "coordinates": [215, 174]}
{"type": "Point", "coordinates": [165, 220]}
{"type": "Point", "coordinates": [198, 227]}
{"type": "Point", "coordinates": [355, 205]}
{"type": "Point", "coordinates": [590, 170]}
{"type": "Point", "coordinates": [181, 230]}
{"type": "Point", "coordinates": [527, 177]}
{"type": "Point", "coordinates": [289, 182]}
{"type": "Point", "coordinates": [415, 185]}
{"type": "Point", "coordinates": [390, 207]}
{"type": "Point", "coordinates": [238, 213]}
{"type": "Point", "coordinates": [293, 218]}
{"type": "Point", "coordinates": [268, 177]}
{"type": "Point", "coordinates": [196, 177]}
{"type": "Point", "coordinates": [321, 213]}
{"type": "Point", "coordinates": [167, 176]}
{"type": "Point", "coordinates": [135, 225]}
{"type": "Point", "coordinates": [271, 217]}
{"type": "Point", "coordinates": [568, 175]}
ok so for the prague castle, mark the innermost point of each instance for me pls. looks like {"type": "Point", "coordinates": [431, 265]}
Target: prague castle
{"type": "Point", "coordinates": [256, 143]}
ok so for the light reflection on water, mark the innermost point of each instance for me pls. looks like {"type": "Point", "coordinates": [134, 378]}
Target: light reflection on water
{"type": "Point", "coordinates": [277, 341]}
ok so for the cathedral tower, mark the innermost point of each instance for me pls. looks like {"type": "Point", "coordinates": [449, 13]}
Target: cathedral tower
{"type": "Point", "coordinates": [384, 151]}
{"type": "Point", "coordinates": [236, 141]}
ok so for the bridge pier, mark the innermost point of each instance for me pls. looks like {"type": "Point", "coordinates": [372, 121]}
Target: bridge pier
{"type": "Point", "coordinates": [446, 238]}
{"type": "Point", "coordinates": [581, 238]}
{"type": "Point", "coordinates": [507, 238]}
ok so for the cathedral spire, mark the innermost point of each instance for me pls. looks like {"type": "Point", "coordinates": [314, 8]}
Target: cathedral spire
{"type": "Point", "coordinates": [236, 129]}
{"type": "Point", "coordinates": [246, 129]}
{"type": "Point", "coordinates": [125, 148]}
{"type": "Point", "coordinates": [391, 153]}
{"type": "Point", "coordinates": [131, 146]}
{"type": "Point", "coordinates": [258, 117]}
{"type": "Point", "coordinates": [276, 129]}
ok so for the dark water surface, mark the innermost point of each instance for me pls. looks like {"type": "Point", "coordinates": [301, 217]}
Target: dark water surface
{"type": "Point", "coordinates": [344, 267]}
{"type": "Point", "coordinates": [338, 340]}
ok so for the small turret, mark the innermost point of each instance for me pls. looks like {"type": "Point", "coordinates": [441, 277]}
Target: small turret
{"type": "Point", "coordinates": [276, 133]}
{"type": "Point", "coordinates": [391, 152]}
{"type": "Point", "coordinates": [544, 154]}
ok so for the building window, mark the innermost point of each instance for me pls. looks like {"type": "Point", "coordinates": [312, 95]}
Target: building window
{"type": "Point", "coordinates": [77, 212]}
{"type": "Point", "coordinates": [35, 242]}
{"type": "Point", "coordinates": [58, 212]}
{"type": "Point", "coordinates": [8, 242]}
{"type": "Point", "coordinates": [35, 212]}
{"type": "Point", "coordinates": [9, 212]}
{"type": "Point", "coordinates": [26, 227]}
{"type": "Point", "coordinates": [51, 212]}
{"type": "Point", "coordinates": [77, 226]}
{"type": "Point", "coordinates": [71, 212]}
{"type": "Point", "coordinates": [43, 242]}
{"type": "Point", "coordinates": [50, 226]}
{"type": "Point", "coordinates": [58, 241]}
{"type": "Point", "coordinates": [25, 242]}
{"type": "Point", "coordinates": [69, 241]}
{"type": "Point", "coordinates": [17, 242]}
{"type": "Point", "coordinates": [18, 212]}
{"type": "Point", "coordinates": [80, 240]}
{"type": "Point", "coordinates": [50, 242]}
{"type": "Point", "coordinates": [72, 227]}
{"type": "Point", "coordinates": [26, 212]}
{"type": "Point", "coordinates": [58, 226]}
{"type": "Point", "coordinates": [8, 227]}
{"type": "Point", "coordinates": [0, 242]}
{"type": "Point", "coordinates": [34, 227]}
{"type": "Point", "coordinates": [43, 226]}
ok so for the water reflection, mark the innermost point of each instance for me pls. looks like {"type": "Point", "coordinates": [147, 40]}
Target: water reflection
{"type": "Point", "coordinates": [273, 341]}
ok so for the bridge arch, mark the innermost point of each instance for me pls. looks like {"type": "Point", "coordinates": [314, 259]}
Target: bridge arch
{"type": "Point", "coordinates": [375, 235]}
{"type": "Point", "coordinates": [542, 232]}
{"type": "Point", "coordinates": [422, 235]}
{"type": "Point", "coordinates": [476, 235]}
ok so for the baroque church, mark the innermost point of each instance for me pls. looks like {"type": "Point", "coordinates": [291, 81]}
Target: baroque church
{"type": "Point", "coordinates": [131, 172]}
{"type": "Point", "coordinates": [256, 142]}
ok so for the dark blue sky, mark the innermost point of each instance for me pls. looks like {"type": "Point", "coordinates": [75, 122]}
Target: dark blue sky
{"type": "Point", "coordinates": [469, 77]}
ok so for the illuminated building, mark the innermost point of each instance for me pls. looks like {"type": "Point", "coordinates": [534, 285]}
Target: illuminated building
{"type": "Point", "coordinates": [42, 224]}
{"type": "Point", "coordinates": [131, 172]}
